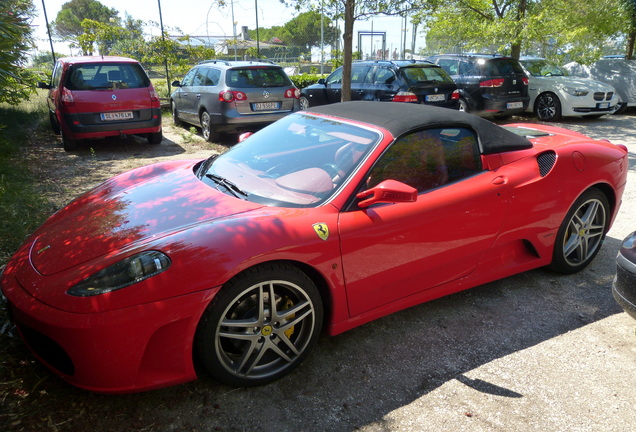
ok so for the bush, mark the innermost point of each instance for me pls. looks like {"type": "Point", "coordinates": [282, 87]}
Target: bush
{"type": "Point", "coordinates": [304, 80]}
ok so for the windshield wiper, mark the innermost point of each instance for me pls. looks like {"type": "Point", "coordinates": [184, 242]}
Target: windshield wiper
{"type": "Point", "coordinates": [229, 186]}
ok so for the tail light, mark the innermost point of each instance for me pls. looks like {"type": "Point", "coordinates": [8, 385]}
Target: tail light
{"type": "Point", "coordinates": [292, 93]}
{"type": "Point", "coordinates": [455, 95]}
{"type": "Point", "coordinates": [404, 97]}
{"type": "Point", "coordinates": [154, 97]}
{"type": "Point", "coordinates": [231, 96]}
{"type": "Point", "coordinates": [498, 82]}
{"type": "Point", "coordinates": [66, 96]}
{"type": "Point", "coordinates": [525, 80]}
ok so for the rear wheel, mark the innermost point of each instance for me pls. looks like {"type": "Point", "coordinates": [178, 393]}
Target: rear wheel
{"type": "Point", "coordinates": [463, 105]}
{"type": "Point", "coordinates": [582, 232]}
{"type": "Point", "coordinates": [304, 103]}
{"type": "Point", "coordinates": [67, 143]}
{"type": "Point", "coordinates": [206, 128]}
{"type": "Point", "coordinates": [155, 138]}
{"type": "Point", "coordinates": [260, 326]}
{"type": "Point", "coordinates": [548, 107]}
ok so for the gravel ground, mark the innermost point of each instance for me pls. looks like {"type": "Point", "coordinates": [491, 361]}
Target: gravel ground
{"type": "Point", "coordinates": [536, 351]}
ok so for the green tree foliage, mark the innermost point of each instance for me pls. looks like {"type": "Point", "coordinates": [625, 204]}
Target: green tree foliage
{"type": "Point", "coordinates": [580, 30]}
{"type": "Point", "coordinates": [68, 23]}
{"type": "Point", "coordinates": [16, 83]}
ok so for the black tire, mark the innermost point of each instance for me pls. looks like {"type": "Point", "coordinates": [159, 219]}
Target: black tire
{"type": "Point", "coordinates": [548, 107]}
{"type": "Point", "coordinates": [54, 124]}
{"type": "Point", "coordinates": [276, 336]}
{"type": "Point", "coordinates": [155, 138]}
{"type": "Point", "coordinates": [175, 115]}
{"type": "Point", "coordinates": [463, 105]}
{"type": "Point", "coordinates": [304, 103]}
{"type": "Point", "coordinates": [620, 108]}
{"type": "Point", "coordinates": [68, 144]}
{"type": "Point", "coordinates": [207, 128]}
{"type": "Point", "coordinates": [581, 233]}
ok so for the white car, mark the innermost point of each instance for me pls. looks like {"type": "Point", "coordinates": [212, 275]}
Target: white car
{"type": "Point", "coordinates": [555, 94]}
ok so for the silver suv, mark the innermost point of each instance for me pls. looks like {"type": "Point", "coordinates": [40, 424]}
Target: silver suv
{"type": "Point", "coordinates": [232, 97]}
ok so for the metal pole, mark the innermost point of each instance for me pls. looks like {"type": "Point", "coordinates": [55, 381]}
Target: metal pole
{"type": "Point", "coordinates": [258, 44]}
{"type": "Point", "coordinates": [165, 58]}
{"type": "Point", "coordinates": [48, 30]}
{"type": "Point", "coordinates": [322, 37]}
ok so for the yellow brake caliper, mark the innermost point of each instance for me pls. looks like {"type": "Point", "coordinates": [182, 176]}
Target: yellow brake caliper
{"type": "Point", "coordinates": [288, 305]}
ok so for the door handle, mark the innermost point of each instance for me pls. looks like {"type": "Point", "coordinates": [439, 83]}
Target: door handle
{"type": "Point", "coordinates": [500, 180]}
{"type": "Point", "coordinates": [198, 95]}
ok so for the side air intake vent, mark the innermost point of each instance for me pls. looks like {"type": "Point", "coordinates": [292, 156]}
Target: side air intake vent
{"type": "Point", "coordinates": [546, 162]}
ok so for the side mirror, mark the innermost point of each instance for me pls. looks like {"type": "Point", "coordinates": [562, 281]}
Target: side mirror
{"type": "Point", "coordinates": [389, 191]}
{"type": "Point", "coordinates": [176, 83]}
{"type": "Point", "coordinates": [43, 85]}
{"type": "Point", "coordinates": [244, 136]}
{"type": "Point", "coordinates": [322, 81]}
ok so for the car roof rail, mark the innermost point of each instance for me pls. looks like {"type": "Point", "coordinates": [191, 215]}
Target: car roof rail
{"type": "Point", "coordinates": [223, 62]}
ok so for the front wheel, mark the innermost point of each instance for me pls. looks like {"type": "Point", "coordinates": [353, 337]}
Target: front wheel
{"type": "Point", "coordinates": [548, 107]}
{"type": "Point", "coordinates": [175, 114]}
{"type": "Point", "coordinates": [582, 232]}
{"type": "Point", "coordinates": [260, 326]}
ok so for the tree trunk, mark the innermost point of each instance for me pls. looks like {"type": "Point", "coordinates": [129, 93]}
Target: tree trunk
{"type": "Point", "coordinates": [631, 38]}
{"type": "Point", "coordinates": [348, 50]}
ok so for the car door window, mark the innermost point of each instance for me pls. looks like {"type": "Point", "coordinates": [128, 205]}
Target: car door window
{"type": "Point", "coordinates": [383, 76]}
{"type": "Point", "coordinates": [449, 65]}
{"type": "Point", "coordinates": [429, 158]}
{"type": "Point", "coordinates": [200, 78]}
{"type": "Point", "coordinates": [187, 80]}
{"type": "Point", "coordinates": [359, 74]}
{"type": "Point", "coordinates": [57, 74]}
{"type": "Point", "coordinates": [335, 77]}
{"type": "Point", "coordinates": [213, 77]}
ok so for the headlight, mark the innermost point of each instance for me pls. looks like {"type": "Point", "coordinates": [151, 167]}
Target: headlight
{"type": "Point", "coordinates": [122, 274]}
{"type": "Point", "coordinates": [630, 242]}
{"type": "Point", "coordinates": [576, 92]}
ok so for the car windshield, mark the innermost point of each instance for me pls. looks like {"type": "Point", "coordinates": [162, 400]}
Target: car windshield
{"type": "Point", "coordinates": [540, 68]}
{"type": "Point", "coordinates": [89, 76]}
{"type": "Point", "coordinates": [418, 75]}
{"type": "Point", "coordinates": [257, 77]}
{"type": "Point", "coordinates": [298, 161]}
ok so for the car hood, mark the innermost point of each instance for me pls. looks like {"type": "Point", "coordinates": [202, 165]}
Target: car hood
{"type": "Point", "coordinates": [570, 81]}
{"type": "Point", "coordinates": [141, 205]}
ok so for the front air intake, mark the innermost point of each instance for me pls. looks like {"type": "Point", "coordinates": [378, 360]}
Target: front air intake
{"type": "Point", "coordinates": [546, 162]}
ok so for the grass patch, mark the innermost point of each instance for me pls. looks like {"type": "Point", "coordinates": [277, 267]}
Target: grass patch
{"type": "Point", "coordinates": [22, 206]}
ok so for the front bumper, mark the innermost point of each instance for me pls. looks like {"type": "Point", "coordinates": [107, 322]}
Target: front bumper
{"type": "Point", "coordinates": [122, 351]}
{"type": "Point", "coordinates": [624, 285]}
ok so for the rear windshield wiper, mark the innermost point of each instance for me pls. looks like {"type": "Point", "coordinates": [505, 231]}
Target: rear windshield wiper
{"type": "Point", "coordinates": [229, 186]}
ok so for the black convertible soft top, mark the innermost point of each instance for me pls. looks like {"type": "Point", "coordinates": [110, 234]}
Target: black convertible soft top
{"type": "Point", "coordinates": [400, 118]}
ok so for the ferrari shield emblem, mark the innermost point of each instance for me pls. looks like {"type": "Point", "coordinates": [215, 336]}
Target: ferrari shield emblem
{"type": "Point", "coordinates": [322, 230]}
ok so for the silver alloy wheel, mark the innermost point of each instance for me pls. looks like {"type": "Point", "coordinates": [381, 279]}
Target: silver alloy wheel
{"type": "Point", "coordinates": [265, 329]}
{"type": "Point", "coordinates": [205, 125]}
{"type": "Point", "coordinates": [463, 106]}
{"type": "Point", "coordinates": [548, 107]}
{"type": "Point", "coordinates": [304, 103]}
{"type": "Point", "coordinates": [585, 232]}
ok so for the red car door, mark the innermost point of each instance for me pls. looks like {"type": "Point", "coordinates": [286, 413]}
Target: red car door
{"type": "Point", "coordinates": [390, 251]}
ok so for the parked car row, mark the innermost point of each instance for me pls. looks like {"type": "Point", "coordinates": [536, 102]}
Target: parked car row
{"type": "Point", "coordinates": [107, 96]}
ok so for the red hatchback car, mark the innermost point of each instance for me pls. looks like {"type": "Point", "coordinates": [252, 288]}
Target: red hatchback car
{"type": "Point", "coordinates": [91, 97]}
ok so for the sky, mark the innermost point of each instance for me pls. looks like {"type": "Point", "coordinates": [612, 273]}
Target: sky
{"type": "Point", "coordinates": [203, 17]}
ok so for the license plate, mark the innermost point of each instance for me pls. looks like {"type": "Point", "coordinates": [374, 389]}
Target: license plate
{"type": "Point", "coordinates": [514, 105]}
{"type": "Point", "coordinates": [435, 98]}
{"type": "Point", "coordinates": [126, 115]}
{"type": "Point", "coordinates": [603, 105]}
{"type": "Point", "coordinates": [265, 106]}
